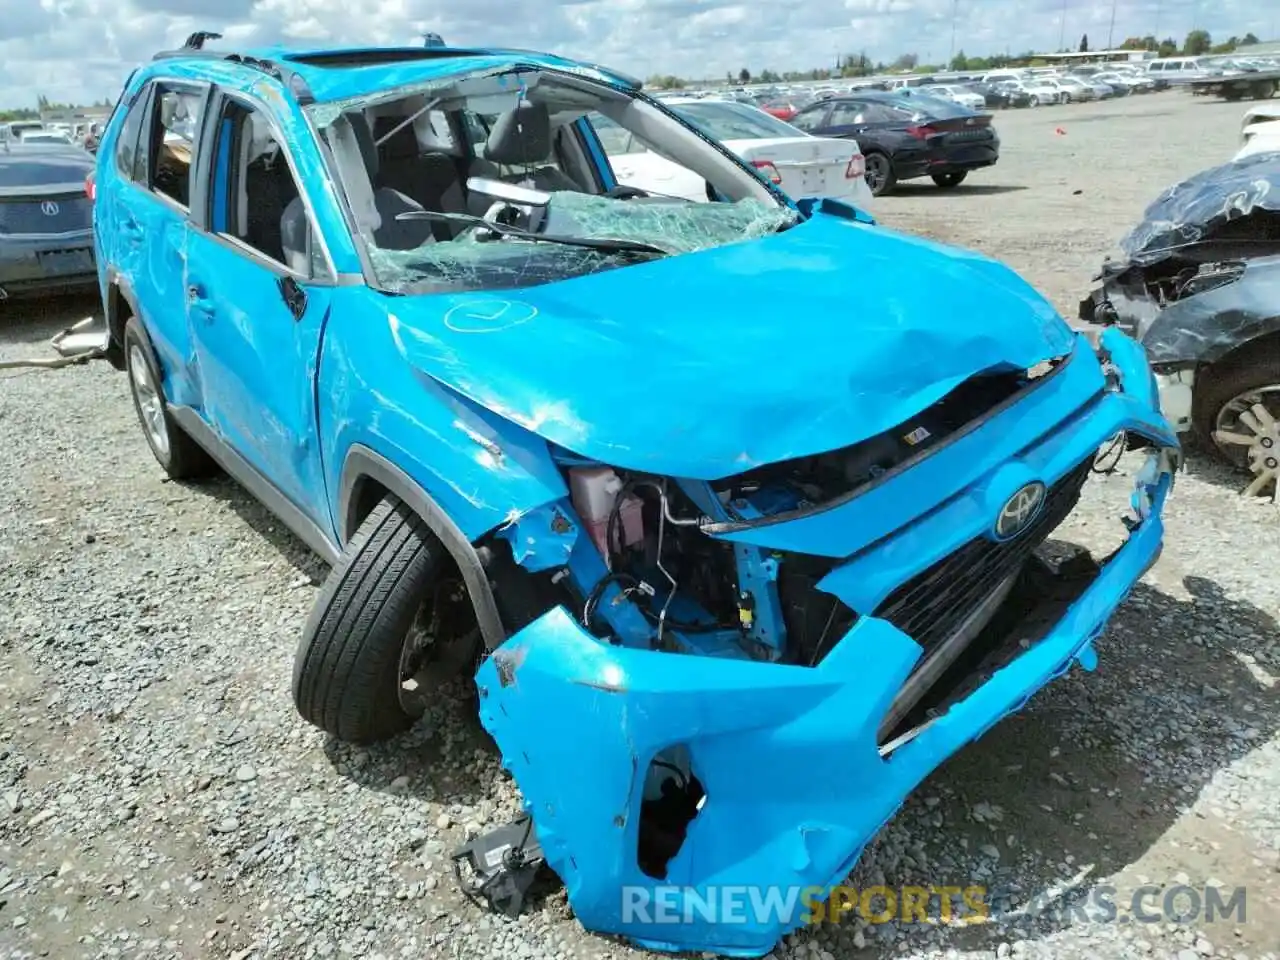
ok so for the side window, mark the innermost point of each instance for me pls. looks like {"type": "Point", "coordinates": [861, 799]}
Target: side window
{"type": "Point", "coordinates": [810, 119]}
{"type": "Point", "coordinates": [129, 151]}
{"type": "Point", "coordinates": [174, 122]}
{"type": "Point", "coordinates": [616, 140]}
{"type": "Point", "coordinates": [435, 132]}
{"type": "Point", "coordinates": [254, 199]}
{"type": "Point", "coordinates": [847, 113]}
{"type": "Point", "coordinates": [477, 128]}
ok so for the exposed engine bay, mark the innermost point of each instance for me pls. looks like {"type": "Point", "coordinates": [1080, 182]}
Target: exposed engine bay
{"type": "Point", "coordinates": [666, 564]}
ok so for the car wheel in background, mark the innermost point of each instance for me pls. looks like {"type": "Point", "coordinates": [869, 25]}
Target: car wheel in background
{"type": "Point", "coordinates": [1235, 412]}
{"type": "Point", "coordinates": [948, 180]}
{"type": "Point", "coordinates": [880, 178]}
{"type": "Point", "coordinates": [363, 641]}
{"type": "Point", "coordinates": [180, 456]}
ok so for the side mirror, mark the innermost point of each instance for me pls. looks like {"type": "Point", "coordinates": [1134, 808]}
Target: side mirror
{"type": "Point", "coordinates": [295, 298]}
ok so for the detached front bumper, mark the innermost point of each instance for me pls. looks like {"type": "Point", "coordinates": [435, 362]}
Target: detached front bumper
{"type": "Point", "coordinates": [794, 782]}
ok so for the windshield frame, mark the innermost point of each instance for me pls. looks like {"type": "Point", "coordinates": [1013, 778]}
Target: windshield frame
{"type": "Point", "coordinates": [390, 94]}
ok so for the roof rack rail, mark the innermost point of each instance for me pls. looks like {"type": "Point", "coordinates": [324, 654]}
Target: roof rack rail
{"type": "Point", "coordinates": [194, 47]}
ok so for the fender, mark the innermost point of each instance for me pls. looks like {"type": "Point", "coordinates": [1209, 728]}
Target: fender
{"type": "Point", "coordinates": [361, 465]}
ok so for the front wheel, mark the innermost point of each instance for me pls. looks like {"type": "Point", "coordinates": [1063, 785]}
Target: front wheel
{"type": "Point", "coordinates": [1236, 412]}
{"type": "Point", "coordinates": [880, 177]}
{"type": "Point", "coordinates": [364, 640]}
{"type": "Point", "coordinates": [946, 181]}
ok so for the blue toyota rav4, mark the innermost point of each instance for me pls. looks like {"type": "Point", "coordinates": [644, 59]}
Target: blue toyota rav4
{"type": "Point", "coordinates": [738, 509]}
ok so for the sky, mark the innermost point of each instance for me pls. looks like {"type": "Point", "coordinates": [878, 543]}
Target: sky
{"type": "Point", "coordinates": [82, 50]}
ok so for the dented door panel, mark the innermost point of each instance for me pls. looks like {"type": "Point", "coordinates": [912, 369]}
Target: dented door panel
{"type": "Point", "coordinates": [257, 367]}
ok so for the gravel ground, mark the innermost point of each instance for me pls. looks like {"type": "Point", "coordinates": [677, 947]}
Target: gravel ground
{"type": "Point", "coordinates": [159, 797]}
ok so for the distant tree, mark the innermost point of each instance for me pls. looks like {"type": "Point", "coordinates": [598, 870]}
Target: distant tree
{"type": "Point", "coordinates": [1248, 39]}
{"type": "Point", "coordinates": [1084, 44]}
{"type": "Point", "coordinates": [908, 61]}
{"type": "Point", "coordinates": [744, 75]}
{"type": "Point", "coordinates": [768, 76]}
{"type": "Point", "coordinates": [1198, 42]}
{"type": "Point", "coordinates": [855, 65]}
{"type": "Point", "coordinates": [1168, 47]}
{"type": "Point", "coordinates": [960, 61]}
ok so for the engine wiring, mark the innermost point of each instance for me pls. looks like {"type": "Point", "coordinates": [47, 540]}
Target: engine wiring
{"type": "Point", "coordinates": [662, 619]}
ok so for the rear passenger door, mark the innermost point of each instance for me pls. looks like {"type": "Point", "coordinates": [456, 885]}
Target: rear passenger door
{"type": "Point", "coordinates": [143, 210]}
{"type": "Point", "coordinates": [259, 283]}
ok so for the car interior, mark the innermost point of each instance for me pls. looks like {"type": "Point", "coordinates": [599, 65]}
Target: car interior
{"type": "Point", "coordinates": [417, 152]}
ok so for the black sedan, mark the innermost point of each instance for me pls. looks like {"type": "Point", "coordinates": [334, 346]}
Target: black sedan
{"type": "Point", "coordinates": [46, 220]}
{"type": "Point", "coordinates": [904, 138]}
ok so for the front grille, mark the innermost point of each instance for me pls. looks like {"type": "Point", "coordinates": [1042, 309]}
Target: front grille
{"type": "Point", "coordinates": [62, 215]}
{"type": "Point", "coordinates": [935, 602]}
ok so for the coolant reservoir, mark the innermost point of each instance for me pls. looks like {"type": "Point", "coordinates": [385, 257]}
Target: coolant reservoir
{"type": "Point", "coordinates": [594, 491]}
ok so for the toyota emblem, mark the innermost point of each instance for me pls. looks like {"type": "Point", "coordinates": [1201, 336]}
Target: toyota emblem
{"type": "Point", "coordinates": [49, 208]}
{"type": "Point", "coordinates": [1019, 511]}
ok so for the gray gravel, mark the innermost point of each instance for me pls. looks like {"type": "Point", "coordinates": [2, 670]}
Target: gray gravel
{"type": "Point", "coordinates": [159, 797]}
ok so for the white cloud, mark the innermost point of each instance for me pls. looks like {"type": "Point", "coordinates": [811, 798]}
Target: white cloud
{"type": "Point", "coordinates": [83, 49]}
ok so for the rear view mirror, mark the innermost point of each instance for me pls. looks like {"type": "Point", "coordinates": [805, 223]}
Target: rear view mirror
{"type": "Point", "coordinates": [510, 192]}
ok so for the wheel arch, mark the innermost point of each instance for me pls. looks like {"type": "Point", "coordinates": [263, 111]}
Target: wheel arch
{"type": "Point", "coordinates": [120, 304]}
{"type": "Point", "coordinates": [366, 478]}
{"type": "Point", "coordinates": [1267, 338]}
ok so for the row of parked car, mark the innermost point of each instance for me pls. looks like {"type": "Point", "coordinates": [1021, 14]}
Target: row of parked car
{"type": "Point", "coordinates": [995, 90]}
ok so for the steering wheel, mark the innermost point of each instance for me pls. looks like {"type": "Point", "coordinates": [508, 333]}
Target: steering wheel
{"type": "Point", "coordinates": [622, 192]}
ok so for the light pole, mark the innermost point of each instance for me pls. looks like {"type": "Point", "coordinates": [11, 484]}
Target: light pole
{"type": "Point", "coordinates": [1062, 27]}
{"type": "Point", "coordinates": [1112, 29]}
{"type": "Point", "coordinates": [955, 7]}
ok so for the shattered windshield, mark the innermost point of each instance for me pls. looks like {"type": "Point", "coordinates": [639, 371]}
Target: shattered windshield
{"type": "Point", "coordinates": [484, 181]}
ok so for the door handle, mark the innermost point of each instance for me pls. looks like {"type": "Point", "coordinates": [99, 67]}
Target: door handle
{"type": "Point", "coordinates": [130, 228]}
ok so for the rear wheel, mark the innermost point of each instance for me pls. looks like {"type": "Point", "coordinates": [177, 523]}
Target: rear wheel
{"type": "Point", "coordinates": [180, 456]}
{"type": "Point", "coordinates": [948, 180]}
{"type": "Point", "coordinates": [1236, 412]}
{"type": "Point", "coordinates": [880, 178]}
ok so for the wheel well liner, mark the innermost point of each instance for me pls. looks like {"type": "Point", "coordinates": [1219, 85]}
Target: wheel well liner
{"type": "Point", "coordinates": [367, 476]}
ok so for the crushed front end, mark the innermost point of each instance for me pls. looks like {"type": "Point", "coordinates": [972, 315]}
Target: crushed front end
{"type": "Point", "coordinates": [1198, 288]}
{"type": "Point", "coordinates": [745, 677]}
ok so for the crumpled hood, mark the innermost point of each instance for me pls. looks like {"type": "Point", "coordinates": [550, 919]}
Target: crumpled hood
{"type": "Point", "coordinates": [1202, 204]}
{"type": "Point", "coordinates": [710, 363]}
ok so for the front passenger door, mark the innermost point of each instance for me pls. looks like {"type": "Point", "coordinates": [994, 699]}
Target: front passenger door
{"type": "Point", "coordinates": [257, 297]}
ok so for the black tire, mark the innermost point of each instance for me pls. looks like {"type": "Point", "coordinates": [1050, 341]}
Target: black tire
{"type": "Point", "coordinates": [179, 455]}
{"type": "Point", "coordinates": [949, 181]}
{"type": "Point", "coordinates": [1256, 366]}
{"type": "Point", "coordinates": [346, 675]}
{"type": "Point", "coordinates": [884, 181]}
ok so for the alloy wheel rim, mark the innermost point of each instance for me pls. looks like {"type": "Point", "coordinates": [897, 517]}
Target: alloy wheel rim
{"type": "Point", "coordinates": [1247, 432]}
{"type": "Point", "coordinates": [876, 173]}
{"type": "Point", "coordinates": [150, 405]}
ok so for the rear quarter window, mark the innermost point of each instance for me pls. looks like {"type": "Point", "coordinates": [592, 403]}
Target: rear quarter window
{"type": "Point", "coordinates": [128, 145]}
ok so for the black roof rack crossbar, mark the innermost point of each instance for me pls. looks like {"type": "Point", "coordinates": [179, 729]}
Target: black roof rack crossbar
{"type": "Point", "coordinates": [197, 40]}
